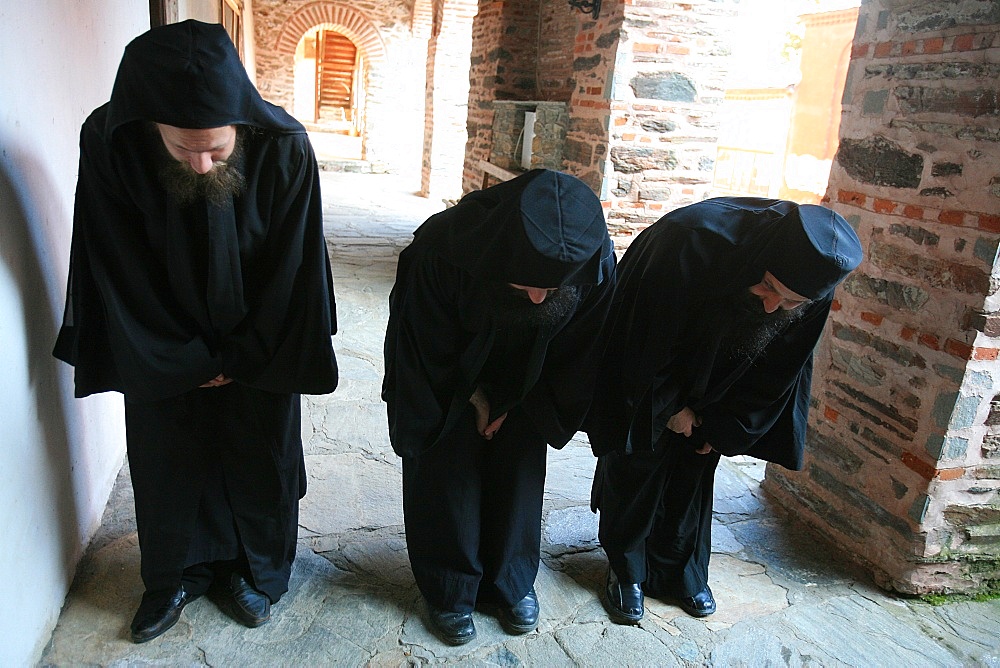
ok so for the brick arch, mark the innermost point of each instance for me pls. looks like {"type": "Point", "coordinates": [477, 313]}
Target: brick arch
{"type": "Point", "coordinates": [348, 21]}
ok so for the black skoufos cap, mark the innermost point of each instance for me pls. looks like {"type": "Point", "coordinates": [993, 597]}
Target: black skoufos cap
{"type": "Point", "coordinates": [813, 250]}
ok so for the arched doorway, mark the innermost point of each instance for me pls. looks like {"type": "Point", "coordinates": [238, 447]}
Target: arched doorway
{"type": "Point", "coordinates": [331, 52]}
{"type": "Point", "coordinates": [331, 73]}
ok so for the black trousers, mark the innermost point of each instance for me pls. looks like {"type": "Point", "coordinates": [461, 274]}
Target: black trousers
{"type": "Point", "coordinates": [473, 512]}
{"type": "Point", "coordinates": [656, 516]}
{"type": "Point", "coordinates": [217, 475]}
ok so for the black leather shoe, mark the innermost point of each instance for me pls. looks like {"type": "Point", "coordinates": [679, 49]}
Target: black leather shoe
{"type": "Point", "coordinates": [454, 628]}
{"type": "Point", "coordinates": [701, 604]}
{"type": "Point", "coordinates": [162, 619]}
{"type": "Point", "coordinates": [624, 602]}
{"type": "Point", "coordinates": [522, 617]}
{"type": "Point", "coordinates": [249, 606]}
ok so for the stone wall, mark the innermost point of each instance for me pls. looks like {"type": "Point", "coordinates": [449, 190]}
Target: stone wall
{"type": "Point", "coordinates": [643, 83]}
{"type": "Point", "coordinates": [446, 96]}
{"type": "Point", "coordinates": [668, 87]}
{"type": "Point", "coordinates": [903, 463]}
{"type": "Point", "coordinates": [521, 51]}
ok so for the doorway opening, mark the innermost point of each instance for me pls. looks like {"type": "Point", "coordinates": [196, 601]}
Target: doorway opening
{"type": "Point", "coordinates": [780, 120]}
{"type": "Point", "coordinates": [330, 76]}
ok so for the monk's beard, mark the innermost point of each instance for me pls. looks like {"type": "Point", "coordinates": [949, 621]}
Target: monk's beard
{"type": "Point", "coordinates": [752, 327]}
{"type": "Point", "coordinates": [512, 309]}
{"type": "Point", "coordinates": [220, 184]}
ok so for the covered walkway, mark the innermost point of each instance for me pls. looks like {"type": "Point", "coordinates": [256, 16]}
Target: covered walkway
{"type": "Point", "coordinates": [783, 597]}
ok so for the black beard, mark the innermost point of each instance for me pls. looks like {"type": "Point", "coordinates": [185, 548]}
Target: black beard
{"type": "Point", "coordinates": [511, 309]}
{"type": "Point", "coordinates": [752, 327]}
{"type": "Point", "coordinates": [187, 186]}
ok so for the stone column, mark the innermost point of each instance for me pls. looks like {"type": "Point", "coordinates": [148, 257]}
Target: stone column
{"type": "Point", "coordinates": [447, 94]}
{"type": "Point", "coordinates": [903, 459]}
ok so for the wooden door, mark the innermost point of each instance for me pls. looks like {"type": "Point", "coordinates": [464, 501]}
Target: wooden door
{"type": "Point", "coordinates": [336, 58]}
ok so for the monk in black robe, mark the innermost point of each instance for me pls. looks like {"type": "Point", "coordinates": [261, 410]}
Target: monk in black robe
{"type": "Point", "coordinates": [490, 353]}
{"type": "Point", "coordinates": [200, 288]}
{"type": "Point", "coordinates": [718, 308]}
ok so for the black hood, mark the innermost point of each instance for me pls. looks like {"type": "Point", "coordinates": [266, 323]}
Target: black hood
{"type": "Point", "coordinates": [189, 75]}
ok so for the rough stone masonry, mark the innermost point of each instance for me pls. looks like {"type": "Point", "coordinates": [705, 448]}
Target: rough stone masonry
{"type": "Point", "coordinates": [905, 466]}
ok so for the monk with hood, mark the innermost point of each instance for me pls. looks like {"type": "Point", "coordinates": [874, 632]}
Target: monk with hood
{"type": "Point", "coordinates": [200, 289]}
{"type": "Point", "coordinates": [490, 354]}
{"type": "Point", "coordinates": [718, 308]}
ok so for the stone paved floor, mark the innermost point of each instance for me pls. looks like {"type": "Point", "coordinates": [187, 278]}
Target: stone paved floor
{"type": "Point", "coordinates": [784, 598]}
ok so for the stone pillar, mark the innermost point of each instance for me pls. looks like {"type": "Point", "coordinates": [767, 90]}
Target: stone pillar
{"type": "Point", "coordinates": [447, 93]}
{"type": "Point", "coordinates": [668, 87]}
{"type": "Point", "coordinates": [903, 463]}
{"type": "Point", "coordinates": [487, 33]}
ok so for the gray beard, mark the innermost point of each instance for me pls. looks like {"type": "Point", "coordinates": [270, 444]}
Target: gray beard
{"type": "Point", "coordinates": [218, 186]}
{"type": "Point", "coordinates": [753, 328]}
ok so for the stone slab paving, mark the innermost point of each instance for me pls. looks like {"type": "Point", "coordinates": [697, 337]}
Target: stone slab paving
{"type": "Point", "coordinates": [784, 596]}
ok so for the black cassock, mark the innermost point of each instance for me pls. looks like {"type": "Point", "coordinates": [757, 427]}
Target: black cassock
{"type": "Point", "coordinates": [668, 324]}
{"type": "Point", "coordinates": [473, 507]}
{"type": "Point", "coordinates": [163, 297]}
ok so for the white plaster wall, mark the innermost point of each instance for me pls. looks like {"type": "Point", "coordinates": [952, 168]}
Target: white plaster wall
{"type": "Point", "coordinates": [203, 10]}
{"type": "Point", "coordinates": [58, 456]}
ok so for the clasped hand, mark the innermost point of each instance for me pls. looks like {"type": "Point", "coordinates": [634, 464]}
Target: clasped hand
{"type": "Point", "coordinates": [683, 422]}
{"type": "Point", "coordinates": [485, 428]}
{"type": "Point", "coordinates": [218, 381]}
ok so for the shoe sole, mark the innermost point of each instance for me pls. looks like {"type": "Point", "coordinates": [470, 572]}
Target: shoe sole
{"type": "Point", "coordinates": [139, 641]}
{"type": "Point", "coordinates": [455, 642]}
{"type": "Point", "coordinates": [237, 613]}
{"type": "Point", "coordinates": [697, 613]}
{"type": "Point", "coordinates": [694, 612]}
{"type": "Point", "coordinates": [617, 616]}
{"type": "Point", "coordinates": [249, 622]}
{"type": "Point", "coordinates": [517, 629]}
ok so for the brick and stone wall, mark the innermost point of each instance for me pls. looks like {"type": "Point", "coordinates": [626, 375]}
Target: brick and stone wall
{"type": "Point", "coordinates": [903, 464]}
{"type": "Point", "coordinates": [587, 138]}
{"type": "Point", "coordinates": [509, 41]}
{"type": "Point", "coordinates": [642, 84]}
{"type": "Point", "coordinates": [668, 86]}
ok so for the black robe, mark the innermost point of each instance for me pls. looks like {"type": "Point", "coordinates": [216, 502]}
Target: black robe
{"type": "Point", "coordinates": [441, 333]}
{"type": "Point", "coordinates": [473, 507]}
{"type": "Point", "coordinates": [667, 351]}
{"type": "Point", "coordinates": [666, 328]}
{"type": "Point", "coordinates": [164, 297]}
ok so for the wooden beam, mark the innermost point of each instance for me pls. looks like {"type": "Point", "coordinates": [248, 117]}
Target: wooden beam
{"type": "Point", "coordinates": [489, 169]}
{"type": "Point", "coordinates": [157, 13]}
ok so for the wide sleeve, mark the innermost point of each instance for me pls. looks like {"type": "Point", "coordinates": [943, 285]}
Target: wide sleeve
{"type": "Point", "coordinates": [123, 329]}
{"type": "Point", "coordinates": [771, 386]}
{"type": "Point", "coordinates": [424, 344]}
{"type": "Point", "coordinates": [284, 343]}
{"type": "Point", "coordinates": [638, 381]}
{"type": "Point", "coordinates": [83, 337]}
